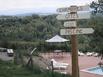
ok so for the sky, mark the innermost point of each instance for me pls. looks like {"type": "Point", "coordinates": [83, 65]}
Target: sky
{"type": "Point", "coordinates": [10, 7]}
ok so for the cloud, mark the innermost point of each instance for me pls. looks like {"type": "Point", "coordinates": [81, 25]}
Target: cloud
{"type": "Point", "coordinates": [6, 5]}
{"type": "Point", "coordinates": [10, 4]}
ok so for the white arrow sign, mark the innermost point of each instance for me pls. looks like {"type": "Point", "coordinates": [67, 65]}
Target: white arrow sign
{"type": "Point", "coordinates": [70, 24]}
{"type": "Point", "coordinates": [67, 16]}
{"type": "Point", "coordinates": [81, 15]}
{"type": "Point", "coordinates": [65, 9]}
{"type": "Point", "coordinates": [68, 9]}
{"type": "Point", "coordinates": [76, 31]}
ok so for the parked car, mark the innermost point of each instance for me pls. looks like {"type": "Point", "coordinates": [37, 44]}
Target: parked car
{"type": "Point", "coordinates": [3, 49]}
{"type": "Point", "coordinates": [10, 52]}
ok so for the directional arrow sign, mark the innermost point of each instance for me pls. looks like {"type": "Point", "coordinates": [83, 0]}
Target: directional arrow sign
{"type": "Point", "coordinates": [76, 31]}
{"type": "Point", "coordinates": [68, 9]}
{"type": "Point", "coordinates": [65, 9]}
{"type": "Point", "coordinates": [84, 8]}
{"type": "Point", "coordinates": [81, 15]}
{"type": "Point", "coordinates": [70, 24]}
{"type": "Point", "coordinates": [67, 16]}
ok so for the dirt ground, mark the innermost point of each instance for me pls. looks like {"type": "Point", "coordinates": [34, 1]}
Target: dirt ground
{"type": "Point", "coordinates": [5, 57]}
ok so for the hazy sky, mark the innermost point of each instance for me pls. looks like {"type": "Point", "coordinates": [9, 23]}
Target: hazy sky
{"type": "Point", "coordinates": [14, 6]}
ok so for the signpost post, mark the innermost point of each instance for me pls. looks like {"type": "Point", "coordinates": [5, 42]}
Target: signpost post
{"type": "Point", "coordinates": [71, 29]}
{"type": "Point", "coordinates": [75, 66]}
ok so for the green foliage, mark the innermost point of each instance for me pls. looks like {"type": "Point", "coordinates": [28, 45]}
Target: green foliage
{"type": "Point", "coordinates": [32, 31]}
{"type": "Point", "coordinates": [97, 38]}
{"type": "Point", "coordinates": [28, 28]}
{"type": "Point", "coordinates": [97, 6]}
{"type": "Point", "coordinates": [28, 32]}
{"type": "Point", "coordinates": [9, 69]}
{"type": "Point", "coordinates": [83, 41]}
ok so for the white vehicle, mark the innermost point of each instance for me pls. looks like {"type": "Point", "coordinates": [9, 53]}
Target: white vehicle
{"type": "Point", "coordinates": [10, 52]}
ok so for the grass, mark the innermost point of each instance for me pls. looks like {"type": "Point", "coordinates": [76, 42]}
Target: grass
{"type": "Point", "coordinates": [8, 69]}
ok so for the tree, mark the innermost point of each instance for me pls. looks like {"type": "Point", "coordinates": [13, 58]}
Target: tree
{"type": "Point", "coordinates": [97, 23]}
{"type": "Point", "coordinates": [97, 6]}
{"type": "Point", "coordinates": [97, 37]}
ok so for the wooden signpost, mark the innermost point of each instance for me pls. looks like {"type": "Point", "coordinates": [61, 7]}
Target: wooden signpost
{"type": "Point", "coordinates": [71, 29]}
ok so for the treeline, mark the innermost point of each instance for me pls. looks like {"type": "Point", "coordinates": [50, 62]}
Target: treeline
{"type": "Point", "coordinates": [32, 31]}
{"type": "Point", "coordinates": [28, 28]}
{"type": "Point", "coordinates": [28, 31]}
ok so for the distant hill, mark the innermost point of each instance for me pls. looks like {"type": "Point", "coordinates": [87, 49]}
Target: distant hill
{"type": "Point", "coordinates": [29, 14]}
